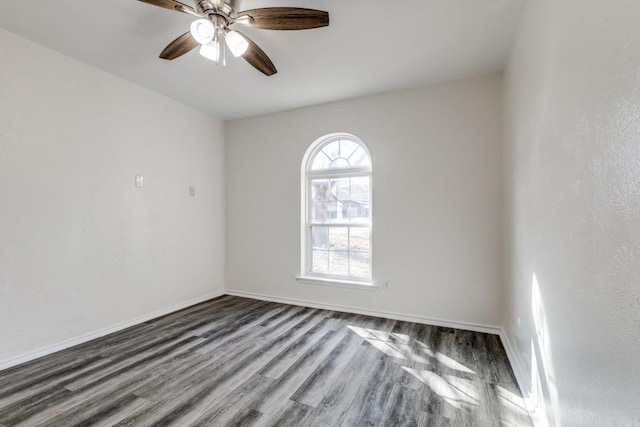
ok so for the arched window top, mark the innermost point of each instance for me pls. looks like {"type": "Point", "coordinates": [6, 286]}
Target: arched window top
{"type": "Point", "coordinates": [339, 151]}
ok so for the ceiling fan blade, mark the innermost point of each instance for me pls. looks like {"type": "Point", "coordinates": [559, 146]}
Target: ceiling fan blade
{"type": "Point", "coordinates": [172, 5]}
{"type": "Point", "coordinates": [258, 59]}
{"type": "Point", "coordinates": [183, 44]}
{"type": "Point", "coordinates": [284, 18]}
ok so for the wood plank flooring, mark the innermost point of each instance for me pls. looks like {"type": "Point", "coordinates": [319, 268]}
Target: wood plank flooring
{"type": "Point", "coordinates": [240, 362]}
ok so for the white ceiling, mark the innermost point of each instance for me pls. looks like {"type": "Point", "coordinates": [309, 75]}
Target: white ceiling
{"type": "Point", "coordinates": [371, 46]}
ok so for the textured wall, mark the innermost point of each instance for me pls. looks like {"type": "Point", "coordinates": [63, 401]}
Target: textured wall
{"type": "Point", "coordinates": [436, 192]}
{"type": "Point", "coordinates": [573, 210]}
{"type": "Point", "coordinates": [81, 249]}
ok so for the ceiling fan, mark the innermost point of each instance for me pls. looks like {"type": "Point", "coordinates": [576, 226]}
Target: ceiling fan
{"type": "Point", "coordinates": [212, 32]}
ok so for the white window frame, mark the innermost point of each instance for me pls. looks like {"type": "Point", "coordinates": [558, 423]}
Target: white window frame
{"type": "Point", "coordinates": [307, 276]}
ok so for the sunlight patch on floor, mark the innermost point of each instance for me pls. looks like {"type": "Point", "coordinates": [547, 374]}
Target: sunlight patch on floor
{"type": "Point", "coordinates": [379, 340]}
{"type": "Point", "coordinates": [400, 346]}
{"type": "Point", "coordinates": [462, 394]}
{"type": "Point", "coordinates": [444, 359]}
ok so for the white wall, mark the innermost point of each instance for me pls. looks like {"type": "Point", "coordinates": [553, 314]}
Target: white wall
{"type": "Point", "coordinates": [437, 200]}
{"type": "Point", "coordinates": [573, 210]}
{"type": "Point", "coordinates": [81, 249]}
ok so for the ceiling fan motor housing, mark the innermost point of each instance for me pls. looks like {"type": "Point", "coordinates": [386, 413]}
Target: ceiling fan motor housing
{"type": "Point", "coordinates": [217, 7]}
{"type": "Point", "coordinates": [204, 6]}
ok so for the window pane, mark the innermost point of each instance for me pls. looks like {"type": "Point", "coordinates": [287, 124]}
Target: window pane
{"type": "Point", "coordinates": [320, 197]}
{"type": "Point", "coordinates": [320, 262]}
{"type": "Point", "coordinates": [359, 239]}
{"type": "Point", "coordinates": [320, 237]}
{"type": "Point", "coordinates": [351, 209]}
{"type": "Point", "coordinates": [321, 161]}
{"type": "Point", "coordinates": [334, 213]}
{"type": "Point", "coordinates": [320, 212]}
{"type": "Point", "coordinates": [359, 264]}
{"type": "Point", "coordinates": [359, 213]}
{"type": "Point", "coordinates": [359, 158]}
{"type": "Point", "coordinates": [320, 189]}
{"type": "Point", "coordinates": [332, 150]}
{"type": "Point", "coordinates": [341, 188]}
{"type": "Point", "coordinates": [360, 188]}
{"type": "Point", "coordinates": [338, 238]}
{"type": "Point", "coordinates": [347, 148]}
{"type": "Point", "coordinates": [339, 263]}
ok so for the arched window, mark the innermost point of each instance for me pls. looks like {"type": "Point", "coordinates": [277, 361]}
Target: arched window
{"type": "Point", "coordinates": [336, 235]}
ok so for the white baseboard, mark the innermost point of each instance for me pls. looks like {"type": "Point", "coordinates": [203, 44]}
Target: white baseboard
{"type": "Point", "coordinates": [385, 314]}
{"type": "Point", "coordinates": [32, 355]}
{"type": "Point", "coordinates": [521, 377]}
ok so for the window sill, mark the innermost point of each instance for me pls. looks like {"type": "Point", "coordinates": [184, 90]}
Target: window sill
{"type": "Point", "coordinates": [351, 284]}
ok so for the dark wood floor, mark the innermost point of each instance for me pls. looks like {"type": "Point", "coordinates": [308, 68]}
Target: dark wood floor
{"type": "Point", "coordinates": [237, 361]}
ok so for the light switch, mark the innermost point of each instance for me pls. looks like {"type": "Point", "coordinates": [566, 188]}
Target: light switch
{"type": "Point", "coordinates": [192, 191]}
{"type": "Point", "coordinates": [139, 181]}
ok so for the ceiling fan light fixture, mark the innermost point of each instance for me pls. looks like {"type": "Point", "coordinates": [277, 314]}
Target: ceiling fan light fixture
{"type": "Point", "coordinates": [211, 51]}
{"type": "Point", "coordinates": [202, 31]}
{"type": "Point", "coordinates": [238, 45]}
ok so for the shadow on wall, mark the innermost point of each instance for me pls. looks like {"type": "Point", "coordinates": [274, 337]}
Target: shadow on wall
{"type": "Point", "coordinates": [542, 399]}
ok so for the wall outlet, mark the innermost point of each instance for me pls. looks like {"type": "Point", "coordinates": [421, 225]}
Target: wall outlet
{"type": "Point", "coordinates": [139, 181]}
{"type": "Point", "coordinates": [192, 191]}
{"type": "Point", "coordinates": [387, 284]}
